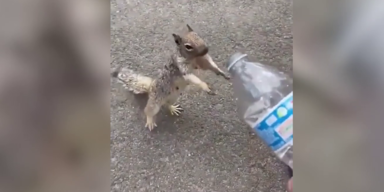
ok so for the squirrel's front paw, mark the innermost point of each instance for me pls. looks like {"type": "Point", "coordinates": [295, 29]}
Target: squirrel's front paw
{"type": "Point", "coordinates": [211, 92]}
{"type": "Point", "coordinates": [207, 89]}
{"type": "Point", "coordinates": [226, 76]}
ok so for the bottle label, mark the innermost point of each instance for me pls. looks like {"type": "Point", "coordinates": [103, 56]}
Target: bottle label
{"type": "Point", "coordinates": [276, 128]}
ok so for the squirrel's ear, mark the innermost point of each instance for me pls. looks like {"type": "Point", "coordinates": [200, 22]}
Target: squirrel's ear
{"type": "Point", "coordinates": [176, 38]}
{"type": "Point", "coordinates": [189, 28]}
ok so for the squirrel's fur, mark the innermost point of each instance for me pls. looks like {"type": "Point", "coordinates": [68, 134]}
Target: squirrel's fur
{"type": "Point", "coordinates": [175, 76]}
{"type": "Point", "coordinates": [133, 81]}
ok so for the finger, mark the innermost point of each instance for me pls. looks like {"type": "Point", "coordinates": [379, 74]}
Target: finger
{"type": "Point", "coordinates": [290, 185]}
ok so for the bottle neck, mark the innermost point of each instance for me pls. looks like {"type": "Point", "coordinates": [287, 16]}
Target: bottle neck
{"type": "Point", "coordinates": [235, 58]}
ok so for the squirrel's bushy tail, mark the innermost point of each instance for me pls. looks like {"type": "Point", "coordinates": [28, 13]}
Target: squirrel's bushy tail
{"type": "Point", "coordinates": [132, 81]}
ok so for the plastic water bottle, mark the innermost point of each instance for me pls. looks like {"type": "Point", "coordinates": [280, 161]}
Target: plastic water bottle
{"type": "Point", "coordinates": [264, 97]}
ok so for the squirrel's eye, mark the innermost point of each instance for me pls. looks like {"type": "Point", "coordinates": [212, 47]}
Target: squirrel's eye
{"type": "Point", "coordinates": [188, 47]}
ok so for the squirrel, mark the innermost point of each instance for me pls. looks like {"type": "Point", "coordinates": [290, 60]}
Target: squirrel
{"type": "Point", "coordinates": [175, 76]}
{"type": "Point", "coordinates": [203, 62]}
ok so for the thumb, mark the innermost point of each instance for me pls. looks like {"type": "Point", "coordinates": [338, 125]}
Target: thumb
{"type": "Point", "coordinates": [290, 185]}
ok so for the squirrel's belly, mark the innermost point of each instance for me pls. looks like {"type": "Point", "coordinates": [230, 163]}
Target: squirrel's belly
{"type": "Point", "coordinates": [177, 89]}
{"type": "Point", "coordinates": [180, 84]}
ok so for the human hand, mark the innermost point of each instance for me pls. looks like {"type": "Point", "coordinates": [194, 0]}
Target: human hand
{"type": "Point", "coordinates": [290, 185]}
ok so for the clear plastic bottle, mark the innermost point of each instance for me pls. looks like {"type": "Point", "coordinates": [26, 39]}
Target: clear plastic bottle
{"type": "Point", "coordinates": [265, 97]}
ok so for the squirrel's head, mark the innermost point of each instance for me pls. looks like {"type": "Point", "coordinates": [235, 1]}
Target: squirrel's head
{"type": "Point", "coordinates": [190, 44]}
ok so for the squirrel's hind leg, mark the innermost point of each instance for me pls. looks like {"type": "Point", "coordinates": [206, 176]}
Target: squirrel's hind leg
{"type": "Point", "coordinates": [174, 108]}
{"type": "Point", "coordinates": [150, 110]}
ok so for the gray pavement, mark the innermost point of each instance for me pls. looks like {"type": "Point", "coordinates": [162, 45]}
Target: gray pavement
{"type": "Point", "coordinates": [208, 148]}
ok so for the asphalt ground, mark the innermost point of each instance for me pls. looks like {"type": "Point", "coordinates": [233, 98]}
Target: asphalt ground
{"type": "Point", "coordinates": [208, 148]}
